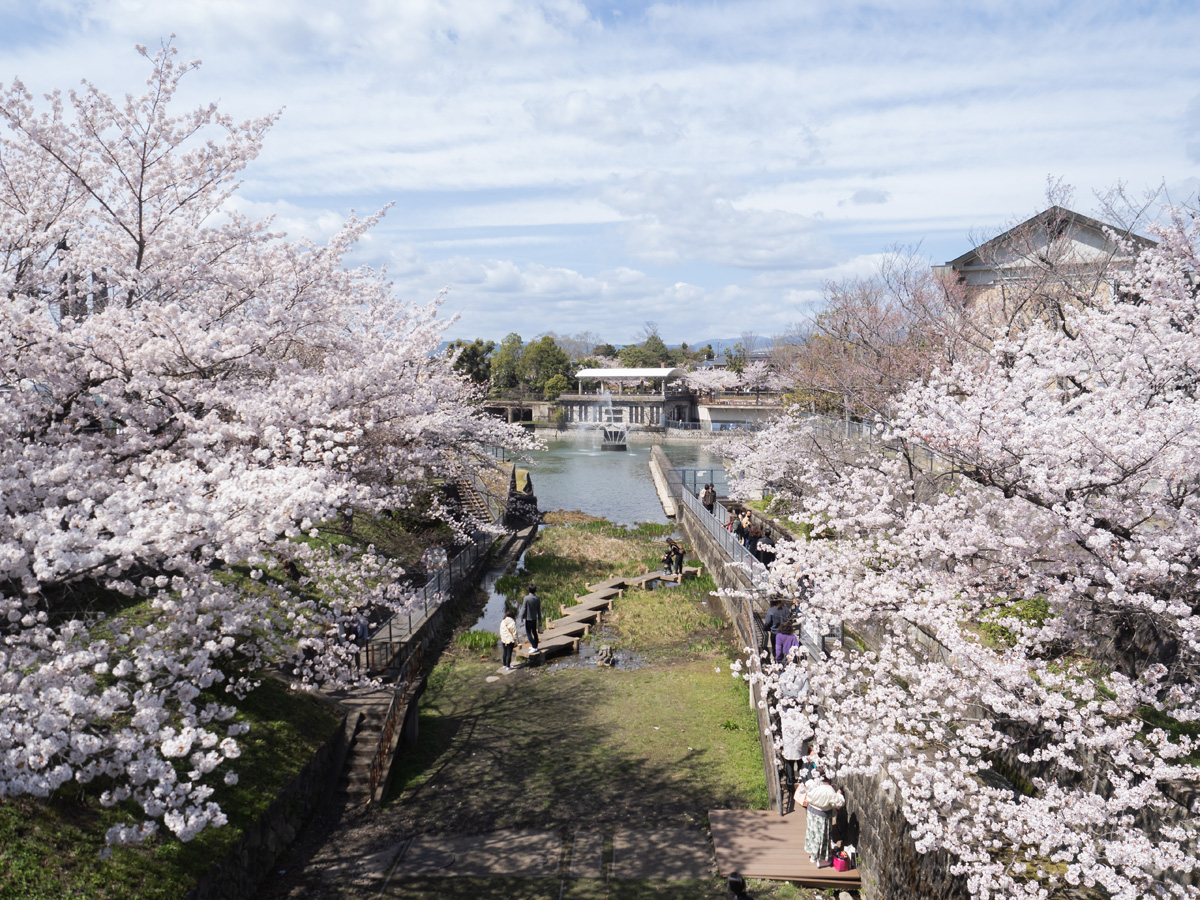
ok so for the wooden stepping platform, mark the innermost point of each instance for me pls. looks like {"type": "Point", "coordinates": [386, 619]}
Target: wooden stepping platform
{"type": "Point", "coordinates": [550, 646]}
{"type": "Point", "coordinates": [763, 844]}
{"type": "Point", "coordinates": [562, 635]}
{"type": "Point", "coordinates": [589, 602]}
{"type": "Point", "coordinates": [572, 614]}
{"type": "Point", "coordinates": [574, 628]}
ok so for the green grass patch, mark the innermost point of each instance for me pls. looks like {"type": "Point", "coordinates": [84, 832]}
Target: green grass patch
{"type": "Point", "coordinates": [548, 747]}
{"type": "Point", "coordinates": [671, 621]}
{"type": "Point", "coordinates": [578, 744]}
{"type": "Point", "coordinates": [49, 849]}
{"type": "Point", "coordinates": [477, 640]}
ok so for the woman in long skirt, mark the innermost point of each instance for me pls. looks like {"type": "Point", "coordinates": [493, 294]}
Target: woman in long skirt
{"type": "Point", "coordinates": [821, 799]}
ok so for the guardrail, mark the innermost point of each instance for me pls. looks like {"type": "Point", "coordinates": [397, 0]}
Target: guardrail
{"type": "Point", "coordinates": [408, 674]}
{"type": "Point", "coordinates": [811, 633]}
{"type": "Point", "coordinates": [386, 643]}
{"type": "Point", "coordinates": [715, 522]}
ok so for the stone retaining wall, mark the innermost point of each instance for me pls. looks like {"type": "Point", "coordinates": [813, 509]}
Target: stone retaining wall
{"type": "Point", "coordinates": [238, 876]}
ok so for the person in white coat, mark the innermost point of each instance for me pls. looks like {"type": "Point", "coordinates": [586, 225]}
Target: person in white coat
{"type": "Point", "coordinates": [508, 638]}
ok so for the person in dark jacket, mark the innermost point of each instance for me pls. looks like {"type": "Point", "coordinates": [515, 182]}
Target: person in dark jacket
{"type": "Point", "coordinates": [530, 613]}
{"type": "Point", "coordinates": [773, 621]}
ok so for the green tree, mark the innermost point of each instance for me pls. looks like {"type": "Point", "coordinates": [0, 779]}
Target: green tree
{"type": "Point", "coordinates": [473, 358]}
{"type": "Point", "coordinates": [736, 357]}
{"type": "Point", "coordinates": [605, 350]}
{"type": "Point", "coordinates": [652, 353]}
{"type": "Point", "coordinates": [555, 385]}
{"type": "Point", "coordinates": [504, 363]}
{"type": "Point", "coordinates": [540, 361]}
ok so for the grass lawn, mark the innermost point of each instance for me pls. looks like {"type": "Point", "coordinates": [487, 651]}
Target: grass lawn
{"type": "Point", "coordinates": [571, 746]}
{"type": "Point", "coordinates": [49, 849]}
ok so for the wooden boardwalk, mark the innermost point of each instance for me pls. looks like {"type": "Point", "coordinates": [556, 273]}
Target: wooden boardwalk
{"type": "Point", "coordinates": [562, 635]}
{"type": "Point", "coordinates": [763, 844]}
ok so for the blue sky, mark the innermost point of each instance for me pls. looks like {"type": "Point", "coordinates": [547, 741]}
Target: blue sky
{"type": "Point", "coordinates": [569, 167]}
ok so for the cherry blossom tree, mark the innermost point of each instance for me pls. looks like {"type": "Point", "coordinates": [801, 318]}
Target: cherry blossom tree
{"type": "Point", "coordinates": [709, 381]}
{"type": "Point", "coordinates": [873, 336]}
{"type": "Point", "coordinates": [182, 390]}
{"type": "Point", "coordinates": [1027, 673]}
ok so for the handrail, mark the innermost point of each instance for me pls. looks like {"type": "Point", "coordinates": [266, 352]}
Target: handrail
{"type": "Point", "coordinates": [715, 523]}
{"type": "Point", "coordinates": [410, 673]}
{"type": "Point", "coordinates": [388, 640]}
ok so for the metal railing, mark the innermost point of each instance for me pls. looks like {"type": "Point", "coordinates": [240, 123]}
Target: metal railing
{"type": "Point", "coordinates": [716, 522]}
{"type": "Point", "coordinates": [694, 480]}
{"type": "Point", "coordinates": [812, 633]}
{"type": "Point", "coordinates": [387, 642]}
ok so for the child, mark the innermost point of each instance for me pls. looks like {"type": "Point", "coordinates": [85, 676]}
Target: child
{"type": "Point", "coordinates": [508, 637]}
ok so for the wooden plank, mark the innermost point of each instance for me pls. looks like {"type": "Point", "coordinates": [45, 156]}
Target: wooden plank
{"type": "Point", "coordinates": [551, 646]}
{"type": "Point", "coordinates": [763, 844]}
{"type": "Point", "coordinates": [569, 629]}
{"type": "Point", "coordinates": [616, 583]}
{"type": "Point", "coordinates": [595, 603]}
{"type": "Point", "coordinates": [578, 614]}
{"type": "Point", "coordinates": [606, 592]}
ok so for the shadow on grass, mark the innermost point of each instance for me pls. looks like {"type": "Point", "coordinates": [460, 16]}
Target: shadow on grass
{"type": "Point", "coordinates": [530, 751]}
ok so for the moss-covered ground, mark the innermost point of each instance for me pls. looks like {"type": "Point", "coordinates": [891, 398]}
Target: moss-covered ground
{"type": "Point", "coordinates": [50, 849]}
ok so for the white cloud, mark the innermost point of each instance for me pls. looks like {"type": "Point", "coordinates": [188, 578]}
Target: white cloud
{"type": "Point", "coordinates": [686, 161]}
{"type": "Point", "coordinates": [680, 219]}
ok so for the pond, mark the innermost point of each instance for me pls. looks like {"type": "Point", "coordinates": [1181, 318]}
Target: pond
{"type": "Point", "coordinates": [573, 473]}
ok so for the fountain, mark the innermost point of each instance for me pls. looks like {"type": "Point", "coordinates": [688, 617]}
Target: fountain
{"type": "Point", "coordinates": [613, 428]}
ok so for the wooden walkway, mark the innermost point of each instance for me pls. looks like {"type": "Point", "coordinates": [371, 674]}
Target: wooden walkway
{"type": "Point", "coordinates": [763, 844]}
{"type": "Point", "coordinates": [562, 635]}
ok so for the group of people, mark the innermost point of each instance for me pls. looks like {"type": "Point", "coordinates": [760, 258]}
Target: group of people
{"type": "Point", "coordinates": [529, 615]}
{"type": "Point", "coordinates": [759, 542]}
{"type": "Point", "coordinates": [806, 782]}
{"type": "Point", "coordinates": [672, 558]}
{"type": "Point", "coordinates": [778, 631]}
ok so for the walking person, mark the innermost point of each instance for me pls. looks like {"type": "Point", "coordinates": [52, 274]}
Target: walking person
{"type": "Point", "coordinates": [746, 523]}
{"type": "Point", "coordinates": [772, 622]}
{"type": "Point", "coordinates": [531, 614]}
{"type": "Point", "coordinates": [508, 638]}
{"type": "Point", "coordinates": [822, 799]}
{"type": "Point", "coordinates": [785, 642]}
{"type": "Point", "coordinates": [708, 498]}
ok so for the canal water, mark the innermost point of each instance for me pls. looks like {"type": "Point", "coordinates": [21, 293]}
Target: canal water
{"type": "Point", "coordinates": [573, 473]}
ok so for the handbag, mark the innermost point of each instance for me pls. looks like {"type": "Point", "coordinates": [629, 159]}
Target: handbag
{"type": "Point", "coordinates": [801, 798]}
{"type": "Point", "coordinates": [841, 864]}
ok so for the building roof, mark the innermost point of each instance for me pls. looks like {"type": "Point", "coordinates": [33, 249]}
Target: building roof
{"type": "Point", "coordinates": [628, 374]}
{"type": "Point", "coordinates": [1089, 237]}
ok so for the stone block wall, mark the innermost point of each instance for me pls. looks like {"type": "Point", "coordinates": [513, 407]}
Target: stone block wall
{"type": "Point", "coordinates": [238, 876]}
{"type": "Point", "coordinates": [889, 864]}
